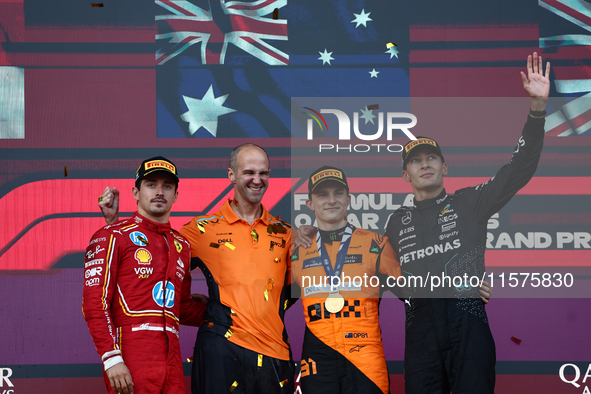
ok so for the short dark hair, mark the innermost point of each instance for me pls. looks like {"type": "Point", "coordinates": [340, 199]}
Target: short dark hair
{"type": "Point", "coordinates": [138, 184]}
{"type": "Point", "coordinates": [236, 151]}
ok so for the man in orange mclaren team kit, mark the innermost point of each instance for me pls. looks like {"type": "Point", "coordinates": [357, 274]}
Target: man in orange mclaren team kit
{"type": "Point", "coordinates": [242, 347]}
{"type": "Point", "coordinates": [342, 351]}
{"type": "Point", "coordinates": [243, 251]}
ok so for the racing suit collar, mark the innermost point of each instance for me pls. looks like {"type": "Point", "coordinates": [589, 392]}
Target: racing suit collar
{"type": "Point", "coordinates": [147, 223]}
{"type": "Point", "coordinates": [328, 237]}
{"type": "Point", "coordinates": [432, 202]}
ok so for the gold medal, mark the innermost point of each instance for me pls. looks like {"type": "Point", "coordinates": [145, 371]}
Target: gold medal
{"type": "Point", "coordinates": [334, 302]}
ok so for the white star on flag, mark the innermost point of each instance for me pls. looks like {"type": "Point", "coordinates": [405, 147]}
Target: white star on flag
{"type": "Point", "coordinates": [367, 115]}
{"type": "Point", "coordinates": [361, 19]}
{"type": "Point", "coordinates": [373, 73]}
{"type": "Point", "coordinates": [393, 51]}
{"type": "Point", "coordinates": [325, 57]}
{"type": "Point", "coordinates": [205, 112]}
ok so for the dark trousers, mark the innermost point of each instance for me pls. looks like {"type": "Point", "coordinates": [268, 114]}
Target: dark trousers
{"type": "Point", "coordinates": [219, 365]}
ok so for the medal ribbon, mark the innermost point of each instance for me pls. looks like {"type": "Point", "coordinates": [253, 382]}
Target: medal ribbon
{"type": "Point", "coordinates": [343, 247]}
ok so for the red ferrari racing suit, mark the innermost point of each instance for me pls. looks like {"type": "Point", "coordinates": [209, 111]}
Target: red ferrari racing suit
{"type": "Point", "coordinates": [137, 286]}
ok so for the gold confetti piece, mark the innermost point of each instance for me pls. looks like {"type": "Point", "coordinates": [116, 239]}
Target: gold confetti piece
{"type": "Point", "coordinates": [214, 245]}
{"type": "Point", "coordinates": [143, 240]}
{"type": "Point", "coordinates": [285, 305]}
{"type": "Point", "coordinates": [233, 312]}
{"type": "Point", "coordinates": [277, 260]}
{"type": "Point", "coordinates": [65, 170]}
{"type": "Point", "coordinates": [390, 45]}
{"type": "Point", "coordinates": [233, 386]}
{"type": "Point", "coordinates": [260, 362]}
{"type": "Point", "coordinates": [97, 4]}
{"type": "Point", "coordinates": [276, 13]}
{"type": "Point", "coordinates": [283, 383]}
{"type": "Point", "coordinates": [229, 245]}
{"type": "Point", "coordinates": [190, 359]}
{"type": "Point", "coordinates": [516, 340]}
{"type": "Point", "coordinates": [374, 106]}
{"type": "Point", "coordinates": [266, 294]}
{"type": "Point", "coordinates": [229, 333]}
{"type": "Point", "coordinates": [100, 198]}
{"type": "Point", "coordinates": [272, 246]}
{"type": "Point", "coordinates": [271, 284]}
{"type": "Point", "coordinates": [210, 324]}
{"type": "Point", "coordinates": [255, 235]}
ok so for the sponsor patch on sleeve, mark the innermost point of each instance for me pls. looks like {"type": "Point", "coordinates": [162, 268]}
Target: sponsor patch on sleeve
{"type": "Point", "coordinates": [295, 256]}
{"type": "Point", "coordinates": [374, 248]}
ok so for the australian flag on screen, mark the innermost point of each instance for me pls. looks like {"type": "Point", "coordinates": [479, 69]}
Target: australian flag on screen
{"type": "Point", "coordinates": [228, 69]}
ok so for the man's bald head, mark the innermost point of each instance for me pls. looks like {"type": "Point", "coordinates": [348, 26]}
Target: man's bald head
{"type": "Point", "coordinates": [236, 151]}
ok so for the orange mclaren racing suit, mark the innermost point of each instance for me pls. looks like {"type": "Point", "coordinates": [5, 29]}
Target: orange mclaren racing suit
{"type": "Point", "coordinates": [343, 352]}
{"type": "Point", "coordinates": [242, 346]}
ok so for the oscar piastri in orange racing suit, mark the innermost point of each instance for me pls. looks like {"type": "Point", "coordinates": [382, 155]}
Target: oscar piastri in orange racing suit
{"type": "Point", "coordinates": [343, 352]}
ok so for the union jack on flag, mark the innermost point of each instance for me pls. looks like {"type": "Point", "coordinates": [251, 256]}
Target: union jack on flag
{"type": "Point", "coordinates": [240, 23]}
{"type": "Point", "coordinates": [573, 116]}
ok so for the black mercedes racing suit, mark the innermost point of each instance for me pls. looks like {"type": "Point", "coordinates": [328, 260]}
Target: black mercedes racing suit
{"type": "Point", "coordinates": [448, 345]}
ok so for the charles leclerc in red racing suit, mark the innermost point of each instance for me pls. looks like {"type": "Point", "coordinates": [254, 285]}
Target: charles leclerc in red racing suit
{"type": "Point", "coordinates": [137, 286]}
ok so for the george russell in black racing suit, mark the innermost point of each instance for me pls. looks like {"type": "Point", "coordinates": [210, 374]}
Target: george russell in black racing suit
{"type": "Point", "coordinates": [449, 345]}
